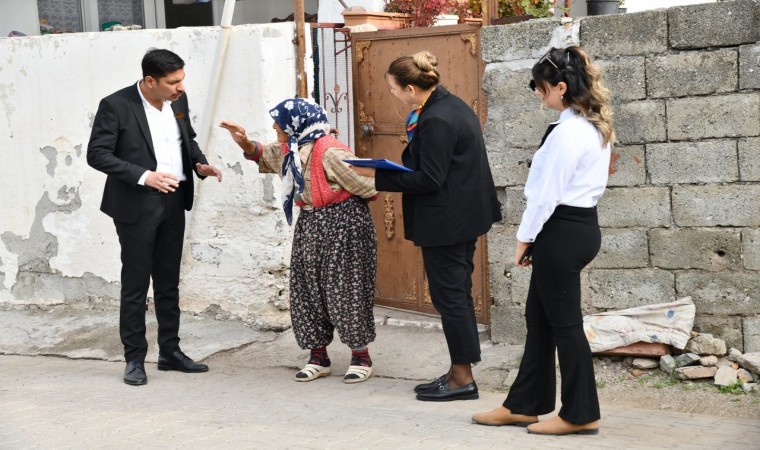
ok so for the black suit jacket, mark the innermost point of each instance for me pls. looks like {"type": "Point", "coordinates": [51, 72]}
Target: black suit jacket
{"type": "Point", "coordinates": [450, 197]}
{"type": "Point", "coordinates": [121, 147]}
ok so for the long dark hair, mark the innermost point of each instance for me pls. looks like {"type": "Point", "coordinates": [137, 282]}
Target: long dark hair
{"type": "Point", "coordinates": [585, 91]}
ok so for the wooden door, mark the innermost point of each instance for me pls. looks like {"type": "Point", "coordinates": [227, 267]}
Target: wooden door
{"type": "Point", "coordinates": [379, 121]}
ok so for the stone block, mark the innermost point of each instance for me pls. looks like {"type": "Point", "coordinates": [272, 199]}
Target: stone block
{"type": "Point", "coordinates": [692, 73]}
{"type": "Point", "coordinates": [508, 84]}
{"type": "Point", "coordinates": [751, 248]}
{"type": "Point", "coordinates": [635, 207]}
{"type": "Point", "coordinates": [710, 206]}
{"type": "Point", "coordinates": [721, 292]}
{"type": "Point", "coordinates": [687, 359]}
{"type": "Point", "coordinates": [706, 344]}
{"type": "Point", "coordinates": [644, 363]}
{"type": "Point", "coordinates": [709, 360]}
{"type": "Point", "coordinates": [695, 372]}
{"type": "Point", "coordinates": [625, 77]}
{"type": "Point", "coordinates": [733, 354]}
{"type": "Point", "coordinates": [745, 376]}
{"type": "Point", "coordinates": [710, 249]}
{"type": "Point", "coordinates": [508, 325]}
{"type": "Point", "coordinates": [717, 116]}
{"type": "Point", "coordinates": [751, 327]}
{"type": "Point", "coordinates": [640, 122]}
{"type": "Point", "coordinates": [749, 66]}
{"type": "Point", "coordinates": [749, 158]}
{"type": "Point", "coordinates": [627, 166]}
{"type": "Point", "coordinates": [667, 363]}
{"type": "Point", "coordinates": [720, 24]}
{"type": "Point", "coordinates": [634, 34]}
{"type": "Point", "coordinates": [627, 288]}
{"type": "Point", "coordinates": [638, 349]}
{"type": "Point", "coordinates": [622, 248]}
{"type": "Point", "coordinates": [510, 166]}
{"type": "Point", "coordinates": [725, 376]}
{"type": "Point", "coordinates": [514, 205]}
{"type": "Point", "coordinates": [751, 362]}
{"type": "Point", "coordinates": [692, 162]}
{"type": "Point", "coordinates": [520, 282]}
{"type": "Point", "coordinates": [527, 40]}
{"type": "Point", "coordinates": [501, 241]}
{"type": "Point", "coordinates": [728, 328]}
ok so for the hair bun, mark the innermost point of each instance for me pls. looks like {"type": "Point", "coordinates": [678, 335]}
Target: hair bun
{"type": "Point", "coordinates": [426, 61]}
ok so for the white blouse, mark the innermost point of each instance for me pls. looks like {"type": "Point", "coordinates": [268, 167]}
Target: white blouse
{"type": "Point", "coordinates": [571, 168]}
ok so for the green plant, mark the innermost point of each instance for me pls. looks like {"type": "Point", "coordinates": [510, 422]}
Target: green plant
{"type": "Point", "coordinates": [735, 388]}
{"type": "Point", "coordinates": [600, 383]}
{"type": "Point", "coordinates": [510, 8]}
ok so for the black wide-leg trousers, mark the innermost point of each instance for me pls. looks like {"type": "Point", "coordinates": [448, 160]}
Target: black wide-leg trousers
{"type": "Point", "coordinates": [569, 240]}
{"type": "Point", "coordinates": [151, 247]}
{"type": "Point", "coordinates": [449, 274]}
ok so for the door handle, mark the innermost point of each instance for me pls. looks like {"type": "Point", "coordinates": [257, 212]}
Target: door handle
{"type": "Point", "coordinates": [367, 130]}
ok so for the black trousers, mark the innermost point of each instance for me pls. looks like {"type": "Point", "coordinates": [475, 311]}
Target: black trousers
{"type": "Point", "coordinates": [569, 240]}
{"type": "Point", "coordinates": [151, 247]}
{"type": "Point", "coordinates": [449, 274]}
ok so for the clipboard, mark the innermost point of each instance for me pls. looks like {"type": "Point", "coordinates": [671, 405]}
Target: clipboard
{"type": "Point", "coordinates": [382, 164]}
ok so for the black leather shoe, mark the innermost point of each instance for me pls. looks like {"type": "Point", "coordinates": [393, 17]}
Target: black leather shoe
{"type": "Point", "coordinates": [179, 361]}
{"type": "Point", "coordinates": [134, 373]}
{"type": "Point", "coordinates": [433, 384]}
{"type": "Point", "coordinates": [444, 393]}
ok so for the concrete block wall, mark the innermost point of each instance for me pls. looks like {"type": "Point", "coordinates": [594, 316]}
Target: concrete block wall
{"type": "Point", "coordinates": [681, 215]}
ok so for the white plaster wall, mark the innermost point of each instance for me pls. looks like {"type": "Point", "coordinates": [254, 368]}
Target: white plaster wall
{"type": "Point", "coordinates": [237, 247]}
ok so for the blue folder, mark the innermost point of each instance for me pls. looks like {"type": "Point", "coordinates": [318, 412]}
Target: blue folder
{"type": "Point", "coordinates": [383, 164]}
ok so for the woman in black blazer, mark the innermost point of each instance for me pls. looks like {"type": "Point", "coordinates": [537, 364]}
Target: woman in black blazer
{"type": "Point", "coordinates": [449, 200]}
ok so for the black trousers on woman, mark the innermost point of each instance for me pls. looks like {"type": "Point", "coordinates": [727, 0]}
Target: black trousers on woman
{"type": "Point", "coordinates": [569, 240]}
{"type": "Point", "coordinates": [449, 273]}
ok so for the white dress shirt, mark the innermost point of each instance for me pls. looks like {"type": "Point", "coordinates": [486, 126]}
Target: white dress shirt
{"type": "Point", "coordinates": [167, 141]}
{"type": "Point", "coordinates": [571, 168]}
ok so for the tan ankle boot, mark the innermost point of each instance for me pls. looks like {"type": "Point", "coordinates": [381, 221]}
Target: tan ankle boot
{"type": "Point", "coordinates": [557, 426]}
{"type": "Point", "coordinates": [502, 416]}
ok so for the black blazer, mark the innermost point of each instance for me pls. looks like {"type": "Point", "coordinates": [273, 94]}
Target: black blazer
{"type": "Point", "coordinates": [121, 147]}
{"type": "Point", "coordinates": [450, 197]}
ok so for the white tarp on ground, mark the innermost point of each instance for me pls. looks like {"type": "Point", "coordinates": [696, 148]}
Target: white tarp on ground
{"type": "Point", "coordinates": [665, 323]}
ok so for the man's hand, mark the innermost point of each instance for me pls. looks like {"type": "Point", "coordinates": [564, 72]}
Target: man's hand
{"type": "Point", "coordinates": [162, 181]}
{"type": "Point", "coordinates": [208, 170]}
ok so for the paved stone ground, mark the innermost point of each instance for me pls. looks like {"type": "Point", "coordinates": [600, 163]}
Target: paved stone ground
{"type": "Point", "coordinates": [51, 403]}
{"type": "Point", "coordinates": [249, 400]}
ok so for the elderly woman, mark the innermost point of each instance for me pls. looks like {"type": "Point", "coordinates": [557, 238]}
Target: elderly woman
{"type": "Point", "coordinates": [334, 259]}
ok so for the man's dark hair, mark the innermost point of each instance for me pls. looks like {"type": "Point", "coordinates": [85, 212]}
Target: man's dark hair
{"type": "Point", "coordinates": [159, 62]}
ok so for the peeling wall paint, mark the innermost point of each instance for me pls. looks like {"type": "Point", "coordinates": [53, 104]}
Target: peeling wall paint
{"type": "Point", "coordinates": [56, 247]}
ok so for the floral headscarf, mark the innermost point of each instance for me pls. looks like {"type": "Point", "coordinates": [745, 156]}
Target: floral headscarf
{"type": "Point", "coordinates": [304, 122]}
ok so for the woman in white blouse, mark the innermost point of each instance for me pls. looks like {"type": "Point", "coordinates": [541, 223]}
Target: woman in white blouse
{"type": "Point", "coordinates": [559, 235]}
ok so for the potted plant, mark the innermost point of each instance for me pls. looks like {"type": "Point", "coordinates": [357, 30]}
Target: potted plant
{"type": "Point", "coordinates": [621, 7]}
{"type": "Point", "coordinates": [422, 13]}
{"type": "Point", "coordinates": [357, 15]}
{"type": "Point", "coordinates": [511, 11]}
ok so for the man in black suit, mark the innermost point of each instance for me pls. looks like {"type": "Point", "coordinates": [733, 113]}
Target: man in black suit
{"type": "Point", "coordinates": [143, 140]}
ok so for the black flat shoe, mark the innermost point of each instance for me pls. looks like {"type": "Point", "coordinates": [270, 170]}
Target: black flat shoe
{"type": "Point", "coordinates": [134, 373]}
{"type": "Point", "coordinates": [444, 393]}
{"type": "Point", "coordinates": [433, 384]}
{"type": "Point", "coordinates": [181, 362]}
